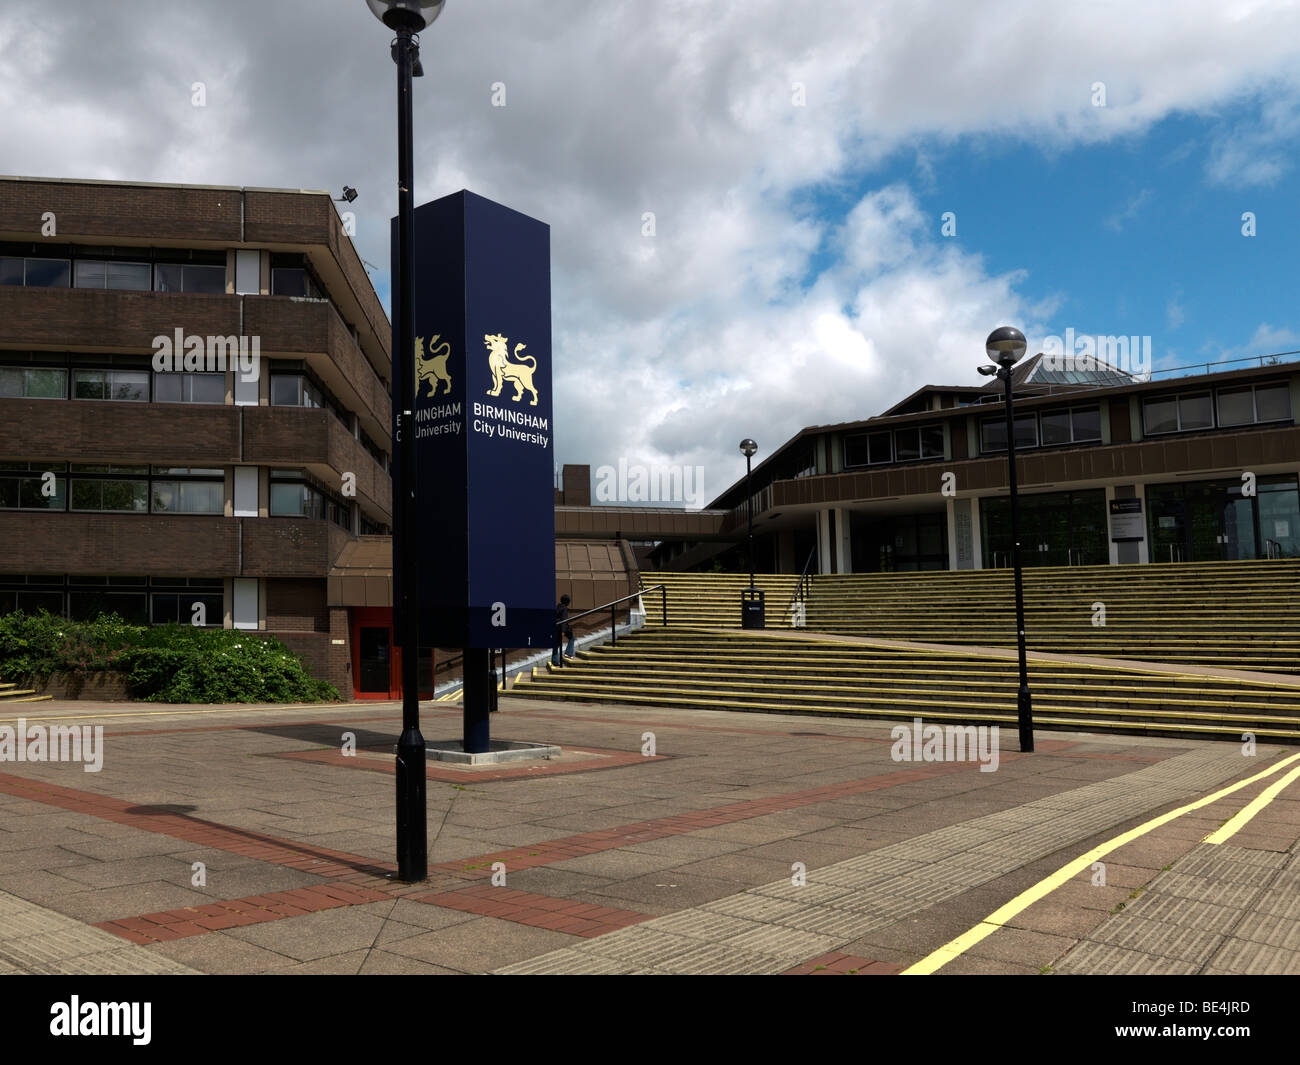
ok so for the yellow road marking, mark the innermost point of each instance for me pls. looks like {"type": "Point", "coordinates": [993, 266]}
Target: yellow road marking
{"type": "Point", "coordinates": [1242, 818]}
{"type": "Point", "coordinates": [955, 948]}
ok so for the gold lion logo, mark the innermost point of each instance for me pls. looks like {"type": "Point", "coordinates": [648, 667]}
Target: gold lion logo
{"type": "Point", "coordinates": [504, 370]}
{"type": "Point", "coordinates": [434, 368]}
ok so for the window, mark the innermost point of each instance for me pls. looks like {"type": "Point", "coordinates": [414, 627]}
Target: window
{"type": "Point", "coordinates": [932, 441]}
{"type": "Point", "coordinates": [907, 444]}
{"type": "Point", "coordinates": [21, 382]}
{"type": "Point", "coordinates": [25, 486]}
{"type": "Point", "coordinates": [89, 597]}
{"type": "Point", "coordinates": [1072, 426]}
{"type": "Point", "coordinates": [178, 606]}
{"type": "Point", "coordinates": [1236, 406]}
{"type": "Point", "coordinates": [185, 277]}
{"type": "Point", "coordinates": [298, 389]}
{"type": "Point", "coordinates": [95, 273]}
{"type": "Point", "coordinates": [1055, 427]}
{"type": "Point", "coordinates": [36, 273]}
{"type": "Point", "coordinates": [294, 281]}
{"type": "Point", "coordinates": [1272, 403]}
{"type": "Point", "coordinates": [856, 451]}
{"type": "Point", "coordinates": [109, 493]}
{"type": "Point", "coordinates": [993, 432]}
{"type": "Point", "coordinates": [124, 385]}
{"type": "Point", "coordinates": [294, 390]}
{"type": "Point", "coordinates": [1195, 412]}
{"type": "Point", "coordinates": [294, 495]}
{"type": "Point", "coordinates": [1160, 415]}
{"type": "Point", "coordinates": [188, 497]}
{"type": "Point", "coordinates": [189, 388]}
{"type": "Point", "coordinates": [1086, 423]}
{"type": "Point", "coordinates": [376, 452]}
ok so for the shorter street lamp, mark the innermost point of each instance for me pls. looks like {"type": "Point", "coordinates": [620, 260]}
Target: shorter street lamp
{"type": "Point", "coordinates": [1005, 346]}
{"type": "Point", "coordinates": [748, 448]}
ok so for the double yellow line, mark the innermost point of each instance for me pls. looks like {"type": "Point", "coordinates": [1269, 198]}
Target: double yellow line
{"type": "Point", "coordinates": [998, 918]}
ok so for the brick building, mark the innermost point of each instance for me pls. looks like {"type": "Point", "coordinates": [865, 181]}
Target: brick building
{"type": "Point", "coordinates": [224, 497]}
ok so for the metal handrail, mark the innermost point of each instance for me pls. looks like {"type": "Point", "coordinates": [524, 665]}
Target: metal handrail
{"type": "Point", "coordinates": [1269, 546]}
{"type": "Point", "coordinates": [613, 617]}
{"type": "Point", "coordinates": [805, 578]}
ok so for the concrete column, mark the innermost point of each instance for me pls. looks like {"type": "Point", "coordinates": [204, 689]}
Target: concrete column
{"type": "Point", "coordinates": [961, 535]}
{"type": "Point", "coordinates": [834, 541]}
{"type": "Point", "coordinates": [786, 562]}
{"type": "Point", "coordinates": [844, 540]}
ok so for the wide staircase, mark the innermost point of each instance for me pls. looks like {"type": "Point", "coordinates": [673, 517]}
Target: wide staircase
{"type": "Point", "coordinates": [1161, 622]}
{"type": "Point", "coordinates": [11, 693]}
{"type": "Point", "coordinates": [1238, 615]}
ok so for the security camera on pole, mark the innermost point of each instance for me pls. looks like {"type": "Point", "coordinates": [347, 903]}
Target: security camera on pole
{"type": "Point", "coordinates": [1005, 346]}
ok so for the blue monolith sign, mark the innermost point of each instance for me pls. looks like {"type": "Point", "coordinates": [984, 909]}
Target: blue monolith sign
{"type": "Point", "coordinates": [483, 425]}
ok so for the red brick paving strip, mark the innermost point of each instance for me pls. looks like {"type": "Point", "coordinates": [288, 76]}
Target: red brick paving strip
{"type": "Point", "coordinates": [167, 925]}
{"type": "Point", "coordinates": [836, 964]}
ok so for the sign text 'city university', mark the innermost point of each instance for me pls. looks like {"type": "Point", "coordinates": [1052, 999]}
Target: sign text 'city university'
{"type": "Point", "coordinates": [483, 425]}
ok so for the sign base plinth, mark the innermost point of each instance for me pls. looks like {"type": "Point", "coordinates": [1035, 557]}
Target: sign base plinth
{"type": "Point", "coordinates": [498, 751]}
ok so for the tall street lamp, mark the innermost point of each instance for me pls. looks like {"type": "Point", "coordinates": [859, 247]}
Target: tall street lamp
{"type": "Point", "coordinates": [1005, 346]}
{"type": "Point", "coordinates": [406, 18]}
{"type": "Point", "coordinates": [747, 448]}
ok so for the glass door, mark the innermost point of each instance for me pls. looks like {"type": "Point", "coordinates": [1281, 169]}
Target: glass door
{"type": "Point", "coordinates": [375, 673]}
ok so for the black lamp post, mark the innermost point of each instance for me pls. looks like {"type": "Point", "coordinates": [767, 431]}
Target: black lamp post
{"type": "Point", "coordinates": [1005, 346]}
{"type": "Point", "coordinates": [747, 448]}
{"type": "Point", "coordinates": [407, 18]}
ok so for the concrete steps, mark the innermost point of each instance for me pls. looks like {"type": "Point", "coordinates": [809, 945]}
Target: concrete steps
{"type": "Point", "coordinates": [801, 675]}
{"type": "Point", "coordinates": [11, 693]}
{"type": "Point", "coordinates": [1226, 614]}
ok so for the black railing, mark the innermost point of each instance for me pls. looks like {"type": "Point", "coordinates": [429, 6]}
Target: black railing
{"type": "Point", "coordinates": [804, 588]}
{"type": "Point", "coordinates": [662, 589]}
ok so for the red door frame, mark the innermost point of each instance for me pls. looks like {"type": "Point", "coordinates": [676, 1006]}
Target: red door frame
{"type": "Point", "coordinates": [377, 617]}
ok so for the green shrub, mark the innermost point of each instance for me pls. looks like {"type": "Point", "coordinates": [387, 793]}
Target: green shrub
{"type": "Point", "coordinates": [162, 663]}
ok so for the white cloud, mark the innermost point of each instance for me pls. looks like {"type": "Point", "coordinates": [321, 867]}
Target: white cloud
{"type": "Point", "coordinates": [668, 348]}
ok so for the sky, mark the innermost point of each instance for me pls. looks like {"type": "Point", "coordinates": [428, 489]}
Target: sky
{"type": "Point", "coordinates": [764, 215]}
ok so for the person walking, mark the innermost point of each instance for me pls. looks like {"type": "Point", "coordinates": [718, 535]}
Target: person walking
{"type": "Point", "coordinates": [563, 630]}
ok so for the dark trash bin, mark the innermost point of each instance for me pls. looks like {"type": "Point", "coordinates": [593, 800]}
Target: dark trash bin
{"type": "Point", "coordinates": [753, 610]}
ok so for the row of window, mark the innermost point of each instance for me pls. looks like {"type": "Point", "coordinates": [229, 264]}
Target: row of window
{"type": "Point", "coordinates": [123, 489]}
{"type": "Point", "coordinates": [295, 389]}
{"type": "Point", "coordinates": [156, 490]}
{"type": "Point", "coordinates": [120, 386]}
{"type": "Point", "coordinates": [897, 445]}
{"type": "Point", "coordinates": [142, 600]}
{"type": "Point", "coordinates": [1222, 408]}
{"type": "Point", "coordinates": [107, 273]}
{"type": "Point", "coordinates": [40, 272]}
{"type": "Point", "coordinates": [1050, 428]}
